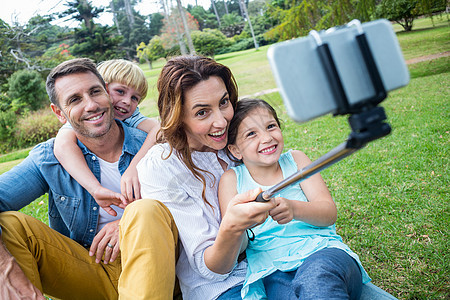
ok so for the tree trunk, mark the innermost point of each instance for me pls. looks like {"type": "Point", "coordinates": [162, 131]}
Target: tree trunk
{"type": "Point", "coordinates": [226, 6]}
{"type": "Point", "coordinates": [186, 28]}
{"type": "Point", "coordinates": [241, 9]}
{"type": "Point", "coordinates": [215, 11]}
{"type": "Point", "coordinates": [174, 24]}
{"type": "Point", "coordinates": [116, 22]}
{"type": "Point", "coordinates": [244, 8]}
{"type": "Point", "coordinates": [183, 49]}
{"type": "Point", "coordinates": [129, 13]}
{"type": "Point", "coordinates": [86, 15]}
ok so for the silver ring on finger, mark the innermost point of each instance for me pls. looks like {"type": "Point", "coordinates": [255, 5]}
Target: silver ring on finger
{"type": "Point", "coordinates": [110, 245]}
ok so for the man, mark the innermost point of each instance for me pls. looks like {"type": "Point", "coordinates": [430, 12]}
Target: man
{"type": "Point", "coordinates": [64, 261]}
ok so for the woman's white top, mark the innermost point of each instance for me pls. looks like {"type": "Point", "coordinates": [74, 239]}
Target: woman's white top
{"type": "Point", "coordinates": [172, 183]}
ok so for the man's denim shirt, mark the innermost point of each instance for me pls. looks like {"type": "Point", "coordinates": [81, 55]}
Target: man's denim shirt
{"type": "Point", "coordinates": [72, 211]}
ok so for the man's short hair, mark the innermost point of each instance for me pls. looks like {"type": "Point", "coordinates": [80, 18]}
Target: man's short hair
{"type": "Point", "coordinates": [73, 66]}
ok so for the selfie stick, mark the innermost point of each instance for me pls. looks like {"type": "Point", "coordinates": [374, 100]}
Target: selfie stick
{"type": "Point", "coordinates": [366, 119]}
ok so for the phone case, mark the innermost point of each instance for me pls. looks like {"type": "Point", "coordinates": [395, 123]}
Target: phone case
{"type": "Point", "coordinates": [303, 83]}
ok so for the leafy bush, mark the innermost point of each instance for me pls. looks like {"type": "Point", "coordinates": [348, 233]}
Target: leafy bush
{"type": "Point", "coordinates": [207, 42]}
{"type": "Point", "coordinates": [246, 43]}
{"type": "Point", "coordinates": [241, 45]}
{"type": "Point", "coordinates": [27, 91]}
{"type": "Point", "coordinates": [36, 127]}
{"type": "Point", "coordinates": [5, 102]}
{"type": "Point", "coordinates": [8, 122]}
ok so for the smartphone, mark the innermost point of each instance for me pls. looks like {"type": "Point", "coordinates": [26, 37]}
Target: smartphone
{"type": "Point", "coordinates": [302, 80]}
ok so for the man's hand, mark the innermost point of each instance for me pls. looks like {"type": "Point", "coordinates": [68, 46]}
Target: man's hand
{"type": "Point", "coordinates": [13, 282]}
{"type": "Point", "coordinates": [129, 184]}
{"type": "Point", "coordinates": [105, 198]}
{"type": "Point", "coordinates": [106, 242]}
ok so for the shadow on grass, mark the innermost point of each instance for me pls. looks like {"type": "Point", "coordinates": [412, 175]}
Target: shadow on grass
{"type": "Point", "coordinates": [428, 68]}
{"type": "Point", "coordinates": [421, 29]}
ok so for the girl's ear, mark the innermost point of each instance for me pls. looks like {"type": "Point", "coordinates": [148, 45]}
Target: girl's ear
{"type": "Point", "coordinates": [107, 87]}
{"type": "Point", "coordinates": [58, 112]}
{"type": "Point", "coordinates": [235, 151]}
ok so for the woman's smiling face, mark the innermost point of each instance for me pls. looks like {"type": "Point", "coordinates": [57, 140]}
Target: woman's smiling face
{"type": "Point", "coordinates": [207, 112]}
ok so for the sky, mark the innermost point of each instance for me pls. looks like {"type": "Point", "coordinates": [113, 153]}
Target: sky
{"type": "Point", "coordinates": [23, 10]}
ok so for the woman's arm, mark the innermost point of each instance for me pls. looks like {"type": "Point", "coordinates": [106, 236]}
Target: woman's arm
{"type": "Point", "coordinates": [241, 213]}
{"type": "Point", "coordinates": [71, 158]}
{"type": "Point", "coordinates": [129, 183]}
{"type": "Point", "coordinates": [320, 210]}
{"type": "Point", "coordinates": [227, 190]}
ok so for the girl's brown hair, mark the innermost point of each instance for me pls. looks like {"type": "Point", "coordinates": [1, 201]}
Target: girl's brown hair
{"type": "Point", "coordinates": [180, 74]}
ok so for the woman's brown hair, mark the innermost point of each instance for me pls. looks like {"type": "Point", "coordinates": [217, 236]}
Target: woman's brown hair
{"type": "Point", "coordinates": [180, 74]}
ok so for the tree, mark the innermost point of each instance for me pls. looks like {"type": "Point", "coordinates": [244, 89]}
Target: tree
{"type": "Point", "coordinates": [8, 64]}
{"type": "Point", "coordinates": [134, 28]}
{"type": "Point", "coordinates": [364, 9]}
{"type": "Point", "coordinates": [205, 19]}
{"type": "Point", "coordinates": [297, 18]}
{"type": "Point", "coordinates": [82, 10]}
{"type": "Point", "coordinates": [232, 24]}
{"type": "Point", "coordinates": [257, 7]}
{"type": "Point", "coordinates": [152, 51]}
{"type": "Point", "coordinates": [156, 24]}
{"type": "Point", "coordinates": [173, 29]}
{"type": "Point", "coordinates": [27, 91]}
{"type": "Point", "coordinates": [294, 21]}
{"type": "Point", "coordinates": [92, 40]}
{"type": "Point", "coordinates": [227, 7]}
{"type": "Point", "coordinates": [430, 7]}
{"type": "Point", "coordinates": [101, 44]}
{"type": "Point", "coordinates": [401, 11]}
{"type": "Point", "coordinates": [208, 41]}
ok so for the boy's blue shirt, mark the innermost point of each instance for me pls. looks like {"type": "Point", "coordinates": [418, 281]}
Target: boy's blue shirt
{"type": "Point", "coordinates": [72, 211]}
{"type": "Point", "coordinates": [135, 119]}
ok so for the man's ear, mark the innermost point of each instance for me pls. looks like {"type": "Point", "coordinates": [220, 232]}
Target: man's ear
{"type": "Point", "coordinates": [59, 114]}
{"type": "Point", "coordinates": [235, 151]}
{"type": "Point", "coordinates": [107, 87]}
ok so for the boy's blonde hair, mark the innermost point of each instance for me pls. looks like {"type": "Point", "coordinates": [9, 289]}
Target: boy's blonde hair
{"type": "Point", "coordinates": [124, 72]}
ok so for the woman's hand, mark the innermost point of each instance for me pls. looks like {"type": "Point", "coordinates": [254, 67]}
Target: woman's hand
{"type": "Point", "coordinates": [129, 184]}
{"type": "Point", "coordinates": [243, 212]}
{"type": "Point", "coordinates": [283, 212]}
{"type": "Point", "coordinates": [106, 242]}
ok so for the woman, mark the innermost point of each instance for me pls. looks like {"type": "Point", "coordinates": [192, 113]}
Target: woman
{"type": "Point", "coordinates": [197, 98]}
{"type": "Point", "coordinates": [196, 102]}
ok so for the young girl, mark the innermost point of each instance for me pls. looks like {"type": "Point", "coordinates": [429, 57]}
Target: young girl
{"type": "Point", "coordinates": [127, 87]}
{"type": "Point", "coordinates": [295, 253]}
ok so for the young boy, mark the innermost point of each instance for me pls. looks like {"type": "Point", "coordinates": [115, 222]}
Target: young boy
{"type": "Point", "coordinates": [127, 87]}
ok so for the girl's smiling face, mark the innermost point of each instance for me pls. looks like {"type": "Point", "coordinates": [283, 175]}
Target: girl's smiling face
{"type": "Point", "coordinates": [124, 99]}
{"type": "Point", "coordinates": [207, 112]}
{"type": "Point", "coordinates": [259, 141]}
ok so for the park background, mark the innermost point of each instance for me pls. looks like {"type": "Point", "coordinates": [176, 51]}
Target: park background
{"type": "Point", "coordinates": [392, 196]}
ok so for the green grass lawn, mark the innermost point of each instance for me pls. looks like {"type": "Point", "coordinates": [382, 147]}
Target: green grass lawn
{"type": "Point", "coordinates": [392, 195]}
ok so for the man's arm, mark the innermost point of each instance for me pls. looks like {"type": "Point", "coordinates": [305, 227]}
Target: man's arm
{"type": "Point", "coordinates": [13, 282]}
{"type": "Point", "coordinates": [22, 184]}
